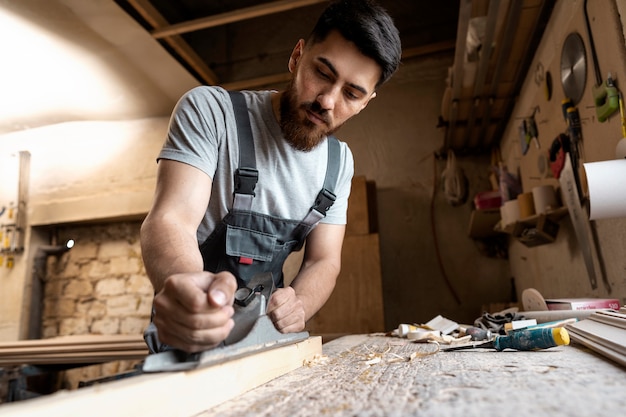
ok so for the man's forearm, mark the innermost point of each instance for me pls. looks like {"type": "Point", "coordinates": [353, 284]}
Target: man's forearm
{"type": "Point", "coordinates": [314, 284]}
{"type": "Point", "coordinates": [167, 249]}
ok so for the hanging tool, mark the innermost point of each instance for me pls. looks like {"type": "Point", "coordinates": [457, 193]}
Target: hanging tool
{"type": "Point", "coordinates": [253, 332]}
{"type": "Point", "coordinates": [534, 339]}
{"type": "Point", "coordinates": [524, 136]}
{"type": "Point", "coordinates": [573, 67]}
{"type": "Point", "coordinates": [605, 94]}
{"type": "Point", "coordinates": [580, 221]}
{"type": "Point", "coordinates": [559, 148]}
{"type": "Point", "coordinates": [572, 117]}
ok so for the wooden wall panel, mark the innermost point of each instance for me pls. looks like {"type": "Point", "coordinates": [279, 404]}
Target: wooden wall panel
{"type": "Point", "coordinates": [356, 305]}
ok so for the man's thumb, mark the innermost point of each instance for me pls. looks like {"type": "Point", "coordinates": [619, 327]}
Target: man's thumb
{"type": "Point", "coordinates": [222, 289]}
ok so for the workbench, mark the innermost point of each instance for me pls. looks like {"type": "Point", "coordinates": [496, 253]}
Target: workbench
{"type": "Point", "coordinates": [360, 375]}
{"type": "Point", "coordinates": [562, 381]}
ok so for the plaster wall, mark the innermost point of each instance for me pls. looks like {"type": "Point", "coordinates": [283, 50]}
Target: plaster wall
{"type": "Point", "coordinates": [79, 172]}
{"type": "Point", "coordinates": [88, 94]}
{"type": "Point", "coordinates": [557, 270]}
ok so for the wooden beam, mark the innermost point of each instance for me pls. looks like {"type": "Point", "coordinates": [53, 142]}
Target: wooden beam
{"type": "Point", "coordinates": [233, 16]}
{"type": "Point", "coordinates": [177, 43]}
{"type": "Point", "coordinates": [75, 349]}
{"type": "Point", "coordinates": [258, 82]}
{"type": "Point", "coordinates": [178, 394]}
{"type": "Point", "coordinates": [427, 49]}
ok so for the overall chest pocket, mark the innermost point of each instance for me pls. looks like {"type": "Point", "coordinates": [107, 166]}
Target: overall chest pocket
{"type": "Point", "coordinates": [250, 243]}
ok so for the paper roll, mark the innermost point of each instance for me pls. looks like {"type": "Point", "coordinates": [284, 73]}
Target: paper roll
{"type": "Point", "coordinates": [509, 212]}
{"type": "Point", "coordinates": [544, 197]}
{"type": "Point", "coordinates": [526, 205]}
{"type": "Point", "coordinates": [607, 188]}
{"type": "Point", "coordinates": [620, 149]}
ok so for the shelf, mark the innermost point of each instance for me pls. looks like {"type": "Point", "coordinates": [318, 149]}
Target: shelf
{"type": "Point", "coordinates": [553, 215]}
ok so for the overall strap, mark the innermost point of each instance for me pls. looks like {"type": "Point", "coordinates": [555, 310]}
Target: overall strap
{"type": "Point", "coordinates": [326, 197]}
{"type": "Point", "coordinates": [247, 175]}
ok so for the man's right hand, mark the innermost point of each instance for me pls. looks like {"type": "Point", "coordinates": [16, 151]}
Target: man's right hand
{"type": "Point", "coordinates": [193, 311]}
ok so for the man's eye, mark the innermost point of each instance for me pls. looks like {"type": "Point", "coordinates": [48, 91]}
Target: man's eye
{"type": "Point", "coordinates": [351, 95]}
{"type": "Point", "coordinates": [323, 74]}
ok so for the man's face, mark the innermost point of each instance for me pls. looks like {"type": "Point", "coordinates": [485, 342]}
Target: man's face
{"type": "Point", "coordinates": [332, 82]}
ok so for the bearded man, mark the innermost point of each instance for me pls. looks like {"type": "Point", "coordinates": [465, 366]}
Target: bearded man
{"type": "Point", "coordinates": [245, 178]}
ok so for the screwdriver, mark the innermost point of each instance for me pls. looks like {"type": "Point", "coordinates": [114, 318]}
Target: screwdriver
{"type": "Point", "coordinates": [526, 339]}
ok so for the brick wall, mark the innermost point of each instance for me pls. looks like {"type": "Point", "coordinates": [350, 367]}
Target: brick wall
{"type": "Point", "coordinates": [98, 287]}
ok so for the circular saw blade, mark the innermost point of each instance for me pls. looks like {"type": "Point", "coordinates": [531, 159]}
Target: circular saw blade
{"type": "Point", "coordinates": [573, 67]}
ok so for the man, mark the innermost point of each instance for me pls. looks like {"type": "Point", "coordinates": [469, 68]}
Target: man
{"type": "Point", "coordinates": [217, 220]}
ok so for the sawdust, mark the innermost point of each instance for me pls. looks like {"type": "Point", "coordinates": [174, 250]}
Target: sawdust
{"type": "Point", "coordinates": [318, 359]}
{"type": "Point", "coordinates": [372, 355]}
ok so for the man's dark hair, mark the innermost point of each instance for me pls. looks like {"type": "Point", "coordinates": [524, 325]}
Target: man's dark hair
{"type": "Point", "coordinates": [369, 26]}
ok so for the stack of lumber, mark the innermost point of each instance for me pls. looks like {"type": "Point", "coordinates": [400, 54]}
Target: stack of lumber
{"type": "Point", "coordinates": [356, 304]}
{"type": "Point", "coordinates": [78, 349]}
{"type": "Point", "coordinates": [603, 332]}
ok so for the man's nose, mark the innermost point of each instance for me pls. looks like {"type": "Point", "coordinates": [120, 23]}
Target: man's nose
{"type": "Point", "coordinates": [328, 98]}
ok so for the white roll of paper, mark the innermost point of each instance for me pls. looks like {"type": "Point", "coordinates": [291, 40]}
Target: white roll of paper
{"type": "Point", "coordinates": [544, 197]}
{"type": "Point", "coordinates": [607, 188]}
{"type": "Point", "coordinates": [509, 212]}
{"type": "Point", "coordinates": [620, 149]}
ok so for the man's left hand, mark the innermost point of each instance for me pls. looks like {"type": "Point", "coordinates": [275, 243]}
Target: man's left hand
{"type": "Point", "coordinates": [286, 311]}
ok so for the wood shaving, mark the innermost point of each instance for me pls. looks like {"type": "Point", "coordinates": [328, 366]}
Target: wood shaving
{"type": "Point", "coordinates": [317, 359]}
{"type": "Point", "coordinates": [373, 356]}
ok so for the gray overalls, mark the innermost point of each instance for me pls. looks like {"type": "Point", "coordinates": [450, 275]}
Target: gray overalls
{"type": "Point", "coordinates": [247, 243]}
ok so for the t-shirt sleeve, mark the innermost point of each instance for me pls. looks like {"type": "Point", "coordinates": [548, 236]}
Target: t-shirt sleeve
{"type": "Point", "coordinates": [192, 136]}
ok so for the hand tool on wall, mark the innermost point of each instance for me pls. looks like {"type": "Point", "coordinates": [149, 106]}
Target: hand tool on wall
{"type": "Point", "coordinates": [535, 339]}
{"type": "Point", "coordinates": [559, 148]}
{"type": "Point", "coordinates": [572, 117]}
{"type": "Point", "coordinates": [580, 221]}
{"type": "Point", "coordinates": [573, 67]}
{"type": "Point", "coordinates": [605, 94]}
{"type": "Point", "coordinates": [253, 332]}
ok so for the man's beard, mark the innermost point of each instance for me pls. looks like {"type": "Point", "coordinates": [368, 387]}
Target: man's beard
{"type": "Point", "coordinates": [302, 134]}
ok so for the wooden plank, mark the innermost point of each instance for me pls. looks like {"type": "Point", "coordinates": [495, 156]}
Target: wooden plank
{"type": "Point", "coordinates": [86, 339]}
{"type": "Point", "coordinates": [358, 213]}
{"type": "Point", "coordinates": [87, 358]}
{"type": "Point", "coordinates": [233, 16]}
{"type": "Point", "coordinates": [182, 48]}
{"type": "Point", "coordinates": [567, 380]}
{"type": "Point", "coordinates": [43, 350]}
{"type": "Point", "coordinates": [171, 394]}
{"type": "Point", "coordinates": [356, 304]}
{"type": "Point", "coordinates": [72, 350]}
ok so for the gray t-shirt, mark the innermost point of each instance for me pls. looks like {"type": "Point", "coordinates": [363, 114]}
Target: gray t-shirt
{"type": "Point", "coordinates": [203, 134]}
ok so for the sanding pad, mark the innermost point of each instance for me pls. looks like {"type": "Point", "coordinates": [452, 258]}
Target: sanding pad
{"type": "Point", "coordinates": [532, 300]}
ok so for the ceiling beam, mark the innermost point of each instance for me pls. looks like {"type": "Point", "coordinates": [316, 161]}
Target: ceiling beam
{"type": "Point", "coordinates": [230, 17]}
{"type": "Point", "coordinates": [431, 48]}
{"type": "Point", "coordinates": [177, 43]}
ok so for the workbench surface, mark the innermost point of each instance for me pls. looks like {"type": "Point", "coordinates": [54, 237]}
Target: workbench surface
{"type": "Point", "coordinates": [354, 377]}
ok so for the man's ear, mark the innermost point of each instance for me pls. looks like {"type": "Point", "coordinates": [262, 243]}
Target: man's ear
{"type": "Point", "coordinates": [296, 54]}
{"type": "Point", "coordinates": [367, 102]}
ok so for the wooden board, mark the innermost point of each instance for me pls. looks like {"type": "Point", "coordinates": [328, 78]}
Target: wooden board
{"type": "Point", "coordinates": [358, 217]}
{"type": "Point", "coordinates": [177, 394]}
{"type": "Point", "coordinates": [356, 304]}
{"type": "Point", "coordinates": [362, 213]}
{"type": "Point", "coordinates": [561, 381]}
{"type": "Point", "coordinates": [73, 350]}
